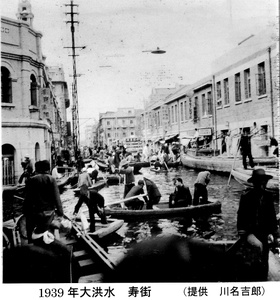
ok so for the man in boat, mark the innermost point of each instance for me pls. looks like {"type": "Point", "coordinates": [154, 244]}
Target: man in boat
{"type": "Point", "coordinates": [182, 196]}
{"type": "Point", "coordinates": [95, 203]}
{"type": "Point", "coordinates": [136, 203]}
{"type": "Point", "coordinates": [200, 195]}
{"type": "Point", "coordinates": [129, 178]}
{"type": "Point", "coordinates": [153, 192]}
{"type": "Point", "coordinates": [257, 224]}
{"type": "Point", "coordinates": [92, 169]}
{"type": "Point", "coordinates": [84, 178]}
{"type": "Point", "coordinates": [41, 201]}
{"type": "Point", "coordinates": [27, 169]}
{"type": "Point", "coordinates": [245, 148]}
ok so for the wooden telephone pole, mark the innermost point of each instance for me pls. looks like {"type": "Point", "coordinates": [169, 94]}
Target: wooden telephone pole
{"type": "Point", "coordinates": [75, 106]}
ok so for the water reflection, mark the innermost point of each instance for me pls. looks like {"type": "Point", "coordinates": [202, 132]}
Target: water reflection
{"type": "Point", "coordinates": [135, 232]}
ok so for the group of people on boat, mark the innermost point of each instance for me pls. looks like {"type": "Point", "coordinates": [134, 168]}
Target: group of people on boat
{"type": "Point", "coordinates": [181, 197]}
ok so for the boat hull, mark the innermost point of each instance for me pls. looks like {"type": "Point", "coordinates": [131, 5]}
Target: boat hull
{"type": "Point", "coordinates": [161, 210]}
{"type": "Point", "coordinates": [220, 163]}
{"type": "Point", "coordinates": [242, 176]}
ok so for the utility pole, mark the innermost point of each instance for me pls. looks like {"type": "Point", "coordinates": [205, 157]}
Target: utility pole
{"type": "Point", "coordinates": [75, 106]}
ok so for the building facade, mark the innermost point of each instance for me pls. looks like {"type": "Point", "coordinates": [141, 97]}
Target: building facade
{"type": "Point", "coordinates": [241, 94]}
{"type": "Point", "coordinates": [115, 127]}
{"type": "Point", "coordinates": [29, 108]}
{"type": "Point", "coordinates": [60, 90]}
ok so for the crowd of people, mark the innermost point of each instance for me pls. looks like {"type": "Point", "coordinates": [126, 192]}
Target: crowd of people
{"type": "Point", "coordinates": [256, 219]}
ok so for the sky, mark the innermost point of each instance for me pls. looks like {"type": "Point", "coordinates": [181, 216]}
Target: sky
{"type": "Point", "coordinates": [116, 68]}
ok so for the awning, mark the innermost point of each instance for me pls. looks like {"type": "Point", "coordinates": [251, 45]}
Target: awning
{"type": "Point", "coordinates": [171, 137]}
{"type": "Point", "coordinates": [157, 140]}
{"type": "Point", "coordinates": [185, 141]}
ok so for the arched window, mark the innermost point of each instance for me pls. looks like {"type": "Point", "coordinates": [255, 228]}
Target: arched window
{"type": "Point", "coordinates": [6, 86]}
{"type": "Point", "coordinates": [33, 90]}
{"type": "Point", "coordinates": [37, 152]}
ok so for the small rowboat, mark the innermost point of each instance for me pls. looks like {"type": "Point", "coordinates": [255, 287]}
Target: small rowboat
{"type": "Point", "coordinates": [241, 175]}
{"type": "Point", "coordinates": [77, 256]}
{"type": "Point", "coordinates": [162, 210]}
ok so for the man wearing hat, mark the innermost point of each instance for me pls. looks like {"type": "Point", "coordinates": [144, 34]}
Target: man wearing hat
{"type": "Point", "coordinates": [257, 224]}
{"type": "Point", "coordinates": [129, 178]}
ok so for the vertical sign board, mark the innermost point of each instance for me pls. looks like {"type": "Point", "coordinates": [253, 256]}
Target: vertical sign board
{"type": "Point", "coordinates": [45, 103]}
{"type": "Point", "coordinates": [165, 118]}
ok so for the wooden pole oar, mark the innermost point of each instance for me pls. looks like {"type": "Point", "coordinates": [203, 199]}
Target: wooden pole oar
{"type": "Point", "coordinates": [233, 164]}
{"type": "Point", "coordinates": [124, 200]}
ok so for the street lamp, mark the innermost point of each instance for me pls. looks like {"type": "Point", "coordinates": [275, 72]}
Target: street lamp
{"type": "Point", "coordinates": [157, 51]}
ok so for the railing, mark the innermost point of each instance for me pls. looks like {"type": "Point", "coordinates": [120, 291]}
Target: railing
{"type": "Point", "coordinates": [8, 172]}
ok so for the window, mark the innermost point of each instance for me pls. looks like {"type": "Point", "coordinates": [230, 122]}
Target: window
{"type": "Point", "coordinates": [131, 121]}
{"type": "Point", "coordinates": [237, 87]}
{"type": "Point", "coordinates": [219, 93]}
{"type": "Point", "coordinates": [108, 122]}
{"type": "Point", "coordinates": [33, 90]}
{"type": "Point", "coordinates": [203, 101]}
{"type": "Point", "coordinates": [176, 113]}
{"type": "Point", "coordinates": [226, 91]}
{"type": "Point", "coordinates": [124, 134]}
{"type": "Point", "coordinates": [186, 110]}
{"type": "Point", "coordinates": [195, 110]}
{"type": "Point", "coordinates": [109, 135]}
{"type": "Point", "coordinates": [131, 133]}
{"type": "Point", "coordinates": [261, 83]}
{"type": "Point", "coordinates": [6, 86]}
{"type": "Point", "coordinates": [159, 122]}
{"type": "Point", "coordinates": [190, 107]}
{"type": "Point", "coordinates": [209, 104]}
{"type": "Point", "coordinates": [247, 84]}
{"type": "Point", "coordinates": [172, 114]}
{"type": "Point", "coordinates": [181, 111]}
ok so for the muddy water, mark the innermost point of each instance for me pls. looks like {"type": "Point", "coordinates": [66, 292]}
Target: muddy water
{"type": "Point", "coordinates": [134, 232]}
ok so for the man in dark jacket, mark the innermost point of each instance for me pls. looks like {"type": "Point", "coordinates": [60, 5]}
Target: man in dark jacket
{"type": "Point", "coordinates": [136, 203]}
{"type": "Point", "coordinates": [182, 196]}
{"type": "Point", "coordinates": [95, 203]}
{"type": "Point", "coordinates": [245, 147]}
{"type": "Point", "coordinates": [41, 200]}
{"type": "Point", "coordinates": [256, 223]}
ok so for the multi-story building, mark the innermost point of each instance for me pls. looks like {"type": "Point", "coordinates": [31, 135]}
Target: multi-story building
{"type": "Point", "coordinates": [115, 127]}
{"type": "Point", "coordinates": [240, 94]}
{"type": "Point", "coordinates": [245, 81]}
{"type": "Point", "coordinates": [30, 111]}
{"type": "Point", "coordinates": [60, 90]}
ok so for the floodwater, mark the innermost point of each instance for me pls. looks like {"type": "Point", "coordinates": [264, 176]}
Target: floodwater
{"type": "Point", "coordinates": [134, 232]}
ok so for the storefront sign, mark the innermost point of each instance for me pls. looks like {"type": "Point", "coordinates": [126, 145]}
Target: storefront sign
{"type": "Point", "coordinates": [205, 131]}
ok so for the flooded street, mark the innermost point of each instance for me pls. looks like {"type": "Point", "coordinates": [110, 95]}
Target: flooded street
{"type": "Point", "coordinates": [134, 232]}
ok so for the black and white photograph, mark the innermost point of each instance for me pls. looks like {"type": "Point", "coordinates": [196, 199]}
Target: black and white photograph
{"type": "Point", "coordinates": [140, 149]}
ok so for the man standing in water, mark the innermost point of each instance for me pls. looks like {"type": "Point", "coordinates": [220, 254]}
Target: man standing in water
{"type": "Point", "coordinates": [257, 224]}
{"type": "Point", "coordinates": [200, 188]}
{"type": "Point", "coordinates": [129, 179]}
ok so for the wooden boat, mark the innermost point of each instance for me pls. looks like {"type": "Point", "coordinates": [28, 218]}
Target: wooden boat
{"type": "Point", "coordinates": [158, 170]}
{"type": "Point", "coordinates": [64, 180]}
{"type": "Point", "coordinates": [84, 260]}
{"type": "Point", "coordinates": [241, 175]}
{"type": "Point", "coordinates": [103, 166]}
{"type": "Point", "coordinates": [221, 163]}
{"type": "Point", "coordinates": [229, 254]}
{"type": "Point", "coordinates": [114, 179]}
{"type": "Point", "coordinates": [97, 186]}
{"type": "Point", "coordinates": [162, 210]}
